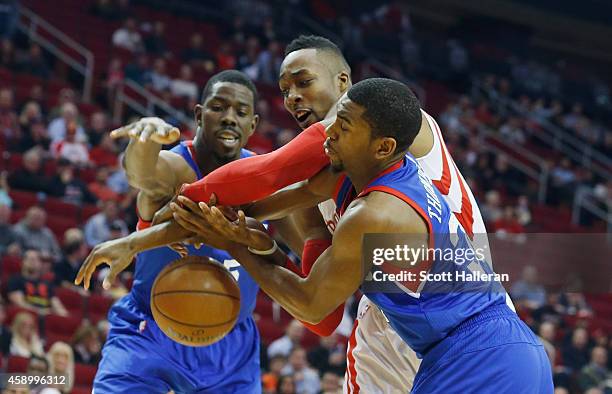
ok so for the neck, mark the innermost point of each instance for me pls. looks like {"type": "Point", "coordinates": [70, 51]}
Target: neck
{"type": "Point", "coordinates": [361, 180]}
{"type": "Point", "coordinates": [206, 160]}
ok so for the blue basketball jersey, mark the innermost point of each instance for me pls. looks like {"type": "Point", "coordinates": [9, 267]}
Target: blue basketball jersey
{"type": "Point", "coordinates": [426, 314]}
{"type": "Point", "coordinates": [151, 262]}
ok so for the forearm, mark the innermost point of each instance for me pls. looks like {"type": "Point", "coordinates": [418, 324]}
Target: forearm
{"type": "Point", "coordinates": [140, 160]}
{"type": "Point", "coordinates": [291, 291]}
{"type": "Point", "coordinates": [157, 236]}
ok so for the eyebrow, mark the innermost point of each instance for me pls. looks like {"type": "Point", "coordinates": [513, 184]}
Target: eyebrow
{"type": "Point", "coordinates": [295, 73]}
{"type": "Point", "coordinates": [342, 115]}
{"type": "Point", "coordinates": [220, 98]}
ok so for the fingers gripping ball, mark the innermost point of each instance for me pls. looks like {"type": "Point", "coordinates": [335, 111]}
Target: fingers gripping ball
{"type": "Point", "coordinates": [195, 301]}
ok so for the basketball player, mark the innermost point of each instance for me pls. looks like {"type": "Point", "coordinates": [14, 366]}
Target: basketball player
{"type": "Point", "coordinates": [137, 356]}
{"type": "Point", "coordinates": [470, 341]}
{"type": "Point", "coordinates": [314, 75]}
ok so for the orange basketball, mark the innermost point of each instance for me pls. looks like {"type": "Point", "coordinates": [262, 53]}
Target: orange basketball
{"type": "Point", "coordinates": [195, 301]}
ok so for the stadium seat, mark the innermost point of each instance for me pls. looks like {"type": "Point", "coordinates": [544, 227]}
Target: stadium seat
{"type": "Point", "coordinates": [59, 224]}
{"type": "Point", "coordinates": [64, 326]}
{"type": "Point", "coordinates": [84, 374]}
{"type": "Point", "coordinates": [72, 300]}
{"type": "Point", "coordinates": [59, 207]}
{"type": "Point", "coordinates": [13, 310]}
{"type": "Point", "coordinates": [98, 306]}
{"type": "Point", "coordinates": [269, 330]}
{"type": "Point", "coordinates": [10, 265]}
{"type": "Point", "coordinates": [17, 364]}
{"type": "Point", "coordinates": [23, 199]}
{"type": "Point", "coordinates": [88, 211]}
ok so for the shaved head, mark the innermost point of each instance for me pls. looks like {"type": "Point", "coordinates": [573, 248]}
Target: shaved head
{"type": "Point", "coordinates": [329, 52]}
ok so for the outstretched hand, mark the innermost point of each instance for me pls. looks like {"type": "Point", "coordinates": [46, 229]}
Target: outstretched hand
{"type": "Point", "coordinates": [115, 253]}
{"type": "Point", "coordinates": [149, 129]}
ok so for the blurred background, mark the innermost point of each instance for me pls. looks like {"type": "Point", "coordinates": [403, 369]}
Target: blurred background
{"type": "Point", "coordinates": [520, 88]}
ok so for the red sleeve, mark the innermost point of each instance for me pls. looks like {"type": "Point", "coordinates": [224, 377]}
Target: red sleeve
{"type": "Point", "coordinates": [312, 251]}
{"type": "Point", "coordinates": [253, 178]}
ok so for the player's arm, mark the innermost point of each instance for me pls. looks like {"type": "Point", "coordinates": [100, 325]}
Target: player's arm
{"type": "Point", "coordinates": [253, 178]}
{"type": "Point", "coordinates": [306, 194]}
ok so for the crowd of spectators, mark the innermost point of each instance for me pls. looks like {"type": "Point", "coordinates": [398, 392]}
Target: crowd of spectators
{"type": "Point", "coordinates": [67, 154]}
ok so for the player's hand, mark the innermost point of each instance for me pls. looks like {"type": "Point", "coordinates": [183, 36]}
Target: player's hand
{"type": "Point", "coordinates": [149, 129]}
{"type": "Point", "coordinates": [205, 219]}
{"type": "Point", "coordinates": [115, 253]}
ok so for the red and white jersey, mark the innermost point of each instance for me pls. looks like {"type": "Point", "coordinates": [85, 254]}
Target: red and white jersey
{"type": "Point", "coordinates": [441, 168]}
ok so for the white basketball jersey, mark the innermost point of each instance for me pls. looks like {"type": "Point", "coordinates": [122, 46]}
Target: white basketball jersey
{"type": "Point", "coordinates": [440, 167]}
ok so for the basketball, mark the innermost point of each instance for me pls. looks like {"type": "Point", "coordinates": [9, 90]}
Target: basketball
{"type": "Point", "coordinates": [195, 301]}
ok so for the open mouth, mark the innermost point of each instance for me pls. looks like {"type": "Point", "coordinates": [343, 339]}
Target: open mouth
{"type": "Point", "coordinates": [229, 138]}
{"type": "Point", "coordinates": [302, 114]}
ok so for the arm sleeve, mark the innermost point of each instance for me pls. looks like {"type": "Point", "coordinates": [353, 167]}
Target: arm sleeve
{"type": "Point", "coordinates": [253, 178]}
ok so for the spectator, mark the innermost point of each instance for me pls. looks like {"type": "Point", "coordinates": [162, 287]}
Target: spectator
{"type": "Point", "coordinates": [35, 136]}
{"type": "Point", "coordinates": [268, 63]}
{"type": "Point", "coordinates": [7, 55]}
{"type": "Point", "coordinates": [38, 366]}
{"type": "Point", "coordinates": [527, 291]}
{"type": "Point", "coordinates": [105, 153]}
{"type": "Point", "coordinates": [5, 199]}
{"type": "Point", "coordinates": [70, 149]}
{"type": "Point", "coordinates": [33, 234]}
{"type": "Point", "coordinates": [9, 241]}
{"type": "Point", "coordinates": [65, 96]}
{"type": "Point", "coordinates": [30, 113]}
{"type": "Point", "coordinates": [306, 378]}
{"type": "Point", "coordinates": [523, 214]}
{"type": "Point", "coordinates": [75, 252]}
{"type": "Point", "coordinates": [35, 63]}
{"type": "Point", "coordinates": [270, 379]}
{"type": "Point", "coordinates": [596, 372]}
{"type": "Point", "coordinates": [114, 78]}
{"type": "Point", "coordinates": [491, 210]}
{"type": "Point", "coordinates": [128, 37]}
{"type": "Point", "coordinates": [87, 345]}
{"type": "Point", "coordinates": [68, 187]}
{"type": "Point", "coordinates": [508, 223]}
{"type": "Point", "coordinates": [563, 180]}
{"type": "Point", "coordinates": [103, 327]}
{"type": "Point", "coordinates": [225, 57]}
{"type": "Point", "coordinates": [138, 71]}
{"type": "Point", "coordinates": [155, 43]}
{"type": "Point", "coordinates": [58, 128]}
{"type": "Point", "coordinates": [331, 383]}
{"type": "Point", "coordinates": [328, 356]}
{"type": "Point", "coordinates": [159, 78]}
{"type": "Point", "coordinates": [286, 385]}
{"type": "Point", "coordinates": [25, 341]}
{"type": "Point", "coordinates": [104, 9]}
{"type": "Point", "coordinates": [184, 86]}
{"type": "Point", "coordinates": [61, 362]}
{"type": "Point", "coordinates": [575, 304]}
{"type": "Point", "coordinates": [293, 336]}
{"type": "Point", "coordinates": [28, 290]}
{"type": "Point", "coordinates": [117, 289]}
{"type": "Point", "coordinates": [575, 354]}
{"type": "Point", "coordinates": [98, 128]}
{"type": "Point", "coordinates": [9, 124]}
{"type": "Point", "coordinates": [551, 312]}
{"type": "Point", "coordinates": [98, 227]}
{"type": "Point", "coordinates": [547, 334]}
{"type": "Point", "coordinates": [100, 188]}
{"type": "Point", "coordinates": [196, 55]}
{"type": "Point", "coordinates": [512, 131]}
{"type": "Point", "coordinates": [561, 390]}
{"type": "Point", "coordinates": [30, 177]}
{"type": "Point", "coordinates": [5, 333]}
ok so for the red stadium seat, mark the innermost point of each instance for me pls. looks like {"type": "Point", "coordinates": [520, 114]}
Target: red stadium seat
{"type": "Point", "coordinates": [58, 207]}
{"type": "Point", "coordinates": [23, 199]}
{"type": "Point", "coordinates": [11, 265]}
{"type": "Point", "coordinates": [59, 224]}
{"type": "Point", "coordinates": [270, 330]}
{"type": "Point", "coordinates": [88, 211]}
{"type": "Point", "coordinates": [62, 326]}
{"type": "Point", "coordinates": [81, 390]}
{"type": "Point", "coordinates": [72, 300]}
{"type": "Point", "coordinates": [17, 364]}
{"type": "Point", "coordinates": [84, 374]}
{"type": "Point", "coordinates": [98, 306]}
{"type": "Point", "coordinates": [12, 311]}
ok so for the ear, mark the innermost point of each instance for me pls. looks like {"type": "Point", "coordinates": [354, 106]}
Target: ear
{"type": "Point", "coordinates": [386, 148]}
{"type": "Point", "coordinates": [197, 111]}
{"type": "Point", "coordinates": [344, 81]}
{"type": "Point", "coordinates": [254, 124]}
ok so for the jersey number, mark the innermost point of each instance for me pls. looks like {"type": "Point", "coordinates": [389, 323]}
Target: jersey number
{"type": "Point", "coordinates": [232, 267]}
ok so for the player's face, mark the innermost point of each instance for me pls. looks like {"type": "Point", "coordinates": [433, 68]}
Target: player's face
{"type": "Point", "coordinates": [349, 145]}
{"type": "Point", "coordinates": [226, 120]}
{"type": "Point", "coordinates": [308, 86]}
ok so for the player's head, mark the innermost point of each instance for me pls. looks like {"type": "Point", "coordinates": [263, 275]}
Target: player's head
{"type": "Point", "coordinates": [376, 123]}
{"type": "Point", "coordinates": [226, 117]}
{"type": "Point", "coordinates": [313, 76]}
